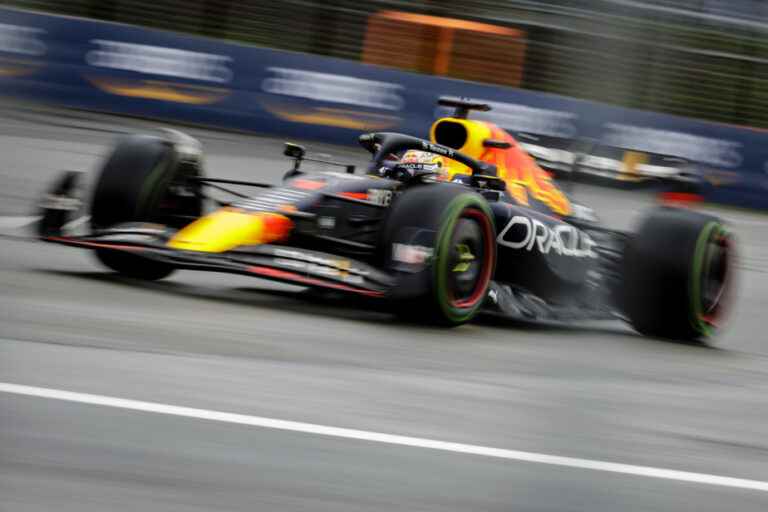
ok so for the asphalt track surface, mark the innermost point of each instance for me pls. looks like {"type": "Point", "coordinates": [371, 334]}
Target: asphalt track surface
{"type": "Point", "coordinates": [597, 394]}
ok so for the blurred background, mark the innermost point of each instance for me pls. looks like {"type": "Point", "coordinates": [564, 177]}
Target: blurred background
{"type": "Point", "coordinates": [646, 90]}
{"type": "Point", "coordinates": [627, 92]}
{"type": "Point", "coordinates": [701, 58]}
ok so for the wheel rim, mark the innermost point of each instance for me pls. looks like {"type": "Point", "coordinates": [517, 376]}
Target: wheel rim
{"type": "Point", "coordinates": [716, 277]}
{"type": "Point", "coordinates": [470, 259]}
{"type": "Point", "coordinates": [712, 278]}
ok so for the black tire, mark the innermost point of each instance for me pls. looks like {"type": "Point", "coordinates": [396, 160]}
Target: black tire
{"type": "Point", "coordinates": [135, 185]}
{"type": "Point", "coordinates": [139, 183]}
{"type": "Point", "coordinates": [457, 227]}
{"type": "Point", "coordinates": [132, 265]}
{"type": "Point", "coordinates": [678, 275]}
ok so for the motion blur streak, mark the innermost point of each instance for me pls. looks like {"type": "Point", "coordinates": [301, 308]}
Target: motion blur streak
{"type": "Point", "coordinates": [218, 342]}
{"type": "Point", "coordinates": [378, 437]}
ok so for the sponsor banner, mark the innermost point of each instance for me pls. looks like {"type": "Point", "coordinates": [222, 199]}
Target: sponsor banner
{"type": "Point", "coordinates": [132, 70]}
{"type": "Point", "coordinates": [23, 48]}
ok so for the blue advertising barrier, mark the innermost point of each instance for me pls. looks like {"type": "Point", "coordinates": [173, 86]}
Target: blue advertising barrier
{"type": "Point", "coordinates": [131, 70]}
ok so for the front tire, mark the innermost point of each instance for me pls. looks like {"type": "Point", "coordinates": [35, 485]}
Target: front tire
{"type": "Point", "coordinates": [132, 265]}
{"type": "Point", "coordinates": [454, 230]}
{"type": "Point", "coordinates": [678, 275]}
{"type": "Point", "coordinates": [143, 180]}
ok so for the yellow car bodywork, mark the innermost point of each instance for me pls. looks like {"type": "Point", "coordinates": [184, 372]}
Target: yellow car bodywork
{"type": "Point", "coordinates": [517, 168]}
{"type": "Point", "coordinates": [228, 228]}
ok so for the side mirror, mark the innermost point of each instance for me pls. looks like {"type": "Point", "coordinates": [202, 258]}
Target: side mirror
{"type": "Point", "coordinates": [496, 144]}
{"type": "Point", "coordinates": [368, 141]}
{"type": "Point", "coordinates": [60, 204]}
{"type": "Point", "coordinates": [297, 153]}
{"type": "Point", "coordinates": [489, 182]}
{"type": "Point", "coordinates": [294, 151]}
{"type": "Point", "coordinates": [486, 169]}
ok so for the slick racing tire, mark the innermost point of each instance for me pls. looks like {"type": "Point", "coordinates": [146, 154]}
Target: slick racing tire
{"type": "Point", "coordinates": [143, 181]}
{"type": "Point", "coordinates": [441, 242]}
{"type": "Point", "coordinates": [678, 275]}
{"type": "Point", "coordinates": [132, 265]}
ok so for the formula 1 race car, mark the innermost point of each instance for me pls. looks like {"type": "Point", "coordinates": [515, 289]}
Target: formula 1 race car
{"type": "Point", "coordinates": [440, 229]}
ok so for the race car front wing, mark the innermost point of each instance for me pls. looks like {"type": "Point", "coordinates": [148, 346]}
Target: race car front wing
{"type": "Point", "coordinates": [275, 262]}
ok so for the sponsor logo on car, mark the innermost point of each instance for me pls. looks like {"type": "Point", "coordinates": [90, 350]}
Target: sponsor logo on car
{"type": "Point", "coordinates": [380, 196]}
{"type": "Point", "coordinates": [308, 184]}
{"type": "Point", "coordinates": [334, 268]}
{"type": "Point", "coordinates": [326, 222]}
{"type": "Point", "coordinates": [273, 200]}
{"type": "Point", "coordinates": [320, 270]}
{"type": "Point", "coordinates": [411, 254]}
{"type": "Point", "coordinates": [434, 148]}
{"type": "Point", "coordinates": [524, 233]}
{"type": "Point", "coordinates": [306, 256]}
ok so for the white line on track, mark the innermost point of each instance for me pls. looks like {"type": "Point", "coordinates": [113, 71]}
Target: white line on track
{"type": "Point", "coordinates": [15, 222]}
{"type": "Point", "coordinates": [378, 437]}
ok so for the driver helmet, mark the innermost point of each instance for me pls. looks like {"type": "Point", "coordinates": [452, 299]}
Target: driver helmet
{"type": "Point", "coordinates": [416, 162]}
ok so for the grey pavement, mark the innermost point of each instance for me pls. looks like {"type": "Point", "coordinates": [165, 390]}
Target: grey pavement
{"type": "Point", "coordinates": [226, 343]}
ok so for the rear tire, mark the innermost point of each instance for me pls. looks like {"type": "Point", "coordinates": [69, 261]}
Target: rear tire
{"type": "Point", "coordinates": [143, 181]}
{"type": "Point", "coordinates": [677, 275]}
{"type": "Point", "coordinates": [456, 227]}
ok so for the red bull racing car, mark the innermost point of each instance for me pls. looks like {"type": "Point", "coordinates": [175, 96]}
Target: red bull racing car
{"type": "Point", "coordinates": [441, 230]}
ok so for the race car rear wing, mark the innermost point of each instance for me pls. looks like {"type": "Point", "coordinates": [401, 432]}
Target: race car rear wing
{"type": "Point", "coordinates": [463, 106]}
